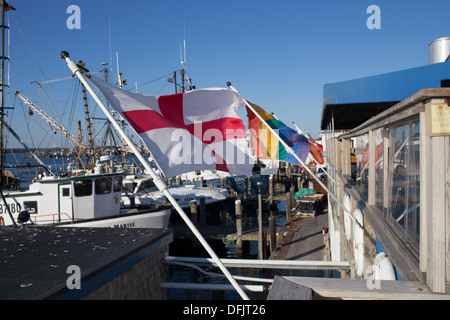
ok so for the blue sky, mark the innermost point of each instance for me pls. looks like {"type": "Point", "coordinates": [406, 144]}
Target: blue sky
{"type": "Point", "coordinates": [278, 54]}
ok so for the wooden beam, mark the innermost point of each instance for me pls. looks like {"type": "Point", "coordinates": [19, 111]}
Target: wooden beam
{"type": "Point", "coordinates": [355, 289]}
{"type": "Point", "coordinates": [372, 180]}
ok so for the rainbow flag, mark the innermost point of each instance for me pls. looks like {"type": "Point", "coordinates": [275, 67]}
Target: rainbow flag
{"type": "Point", "coordinates": [267, 145]}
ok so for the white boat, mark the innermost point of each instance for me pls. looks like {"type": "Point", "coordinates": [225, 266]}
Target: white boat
{"type": "Point", "coordinates": [184, 195]}
{"type": "Point", "coordinates": [142, 191]}
{"type": "Point", "coordinates": [90, 200]}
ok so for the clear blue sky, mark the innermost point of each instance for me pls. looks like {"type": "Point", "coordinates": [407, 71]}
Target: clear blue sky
{"type": "Point", "coordinates": [278, 54]}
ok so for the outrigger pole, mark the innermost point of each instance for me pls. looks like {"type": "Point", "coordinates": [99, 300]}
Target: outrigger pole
{"type": "Point", "coordinates": [26, 148]}
{"type": "Point", "coordinates": [291, 152]}
{"type": "Point", "coordinates": [156, 179]}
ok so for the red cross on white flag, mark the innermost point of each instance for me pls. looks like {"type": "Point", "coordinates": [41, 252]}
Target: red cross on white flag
{"type": "Point", "coordinates": [195, 130]}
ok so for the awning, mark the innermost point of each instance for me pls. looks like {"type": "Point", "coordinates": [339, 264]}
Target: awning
{"type": "Point", "coordinates": [355, 101]}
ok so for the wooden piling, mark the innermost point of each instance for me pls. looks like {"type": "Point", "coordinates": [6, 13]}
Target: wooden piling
{"type": "Point", "coordinates": [223, 218]}
{"type": "Point", "coordinates": [196, 245]}
{"type": "Point", "coordinates": [292, 193]}
{"type": "Point", "coordinates": [264, 245]}
{"type": "Point", "coordinates": [239, 248]}
{"type": "Point", "coordinates": [288, 205]}
{"type": "Point", "coordinates": [271, 188]}
{"type": "Point", "coordinates": [194, 216]}
{"type": "Point", "coordinates": [260, 229]}
{"type": "Point", "coordinates": [202, 211]}
{"type": "Point", "coordinates": [245, 188]}
{"type": "Point", "coordinates": [272, 225]}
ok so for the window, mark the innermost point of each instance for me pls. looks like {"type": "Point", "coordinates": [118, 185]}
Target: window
{"type": "Point", "coordinates": [66, 192]}
{"type": "Point", "coordinates": [30, 206]}
{"type": "Point", "coordinates": [118, 184]}
{"type": "Point", "coordinates": [103, 185]}
{"type": "Point", "coordinates": [83, 188]}
{"type": "Point", "coordinates": [146, 184]}
{"type": "Point", "coordinates": [404, 203]}
{"type": "Point", "coordinates": [379, 168]}
{"type": "Point", "coordinates": [362, 163]}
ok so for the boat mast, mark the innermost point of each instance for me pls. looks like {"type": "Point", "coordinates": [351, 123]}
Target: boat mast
{"type": "Point", "coordinates": [2, 89]}
{"type": "Point", "coordinates": [2, 104]}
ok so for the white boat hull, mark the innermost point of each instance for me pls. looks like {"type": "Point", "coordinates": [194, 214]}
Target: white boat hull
{"type": "Point", "coordinates": [156, 220]}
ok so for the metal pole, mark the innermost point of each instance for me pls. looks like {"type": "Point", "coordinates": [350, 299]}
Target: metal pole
{"type": "Point", "coordinates": [266, 264]}
{"type": "Point", "coordinates": [291, 152]}
{"type": "Point", "coordinates": [2, 109]}
{"type": "Point", "coordinates": [157, 180]}
{"type": "Point", "coordinates": [260, 229]}
{"type": "Point", "coordinates": [2, 89]}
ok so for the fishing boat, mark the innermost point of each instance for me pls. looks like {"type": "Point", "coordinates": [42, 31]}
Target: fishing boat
{"type": "Point", "coordinates": [79, 197]}
{"type": "Point", "coordinates": [139, 190]}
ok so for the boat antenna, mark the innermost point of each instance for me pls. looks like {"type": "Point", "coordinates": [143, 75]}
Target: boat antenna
{"type": "Point", "coordinates": [183, 61]}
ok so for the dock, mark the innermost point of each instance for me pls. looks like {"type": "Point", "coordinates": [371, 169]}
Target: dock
{"type": "Point", "coordinates": [217, 232]}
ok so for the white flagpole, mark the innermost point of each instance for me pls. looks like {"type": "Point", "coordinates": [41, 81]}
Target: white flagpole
{"type": "Point", "coordinates": [291, 152]}
{"type": "Point", "coordinates": [157, 180]}
{"type": "Point", "coordinates": [315, 146]}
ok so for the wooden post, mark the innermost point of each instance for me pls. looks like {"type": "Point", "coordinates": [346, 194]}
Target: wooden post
{"type": "Point", "coordinates": [245, 188]}
{"type": "Point", "coordinates": [223, 218]}
{"type": "Point", "coordinates": [196, 245]}
{"type": "Point", "coordinates": [272, 226]}
{"type": "Point", "coordinates": [202, 211]}
{"type": "Point", "coordinates": [239, 249]}
{"type": "Point", "coordinates": [292, 192]}
{"type": "Point", "coordinates": [194, 217]}
{"type": "Point", "coordinates": [272, 232]}
{"type": "Point", "coordinates": [271, 187]}
{"type": "Point", "coordinates": [260, 230]}
{"type": "Point", "coordinates": [288, 205]}
{"type": "Point", "coordinates": [264, 244]}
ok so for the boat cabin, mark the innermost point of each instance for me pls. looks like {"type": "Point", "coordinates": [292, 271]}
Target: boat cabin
{"type": "Point", "coordinates": [55, 199]}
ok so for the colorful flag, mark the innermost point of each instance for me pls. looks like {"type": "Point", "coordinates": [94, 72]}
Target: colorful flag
{"type": "Point", "coordinates": [316, 150]}
{"type": "Point", "coordinates": [316, 155]}
{"type": "Point", "coordinates": [267, 146]}
{"type": "Point", "coordinates": [194, 130]}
